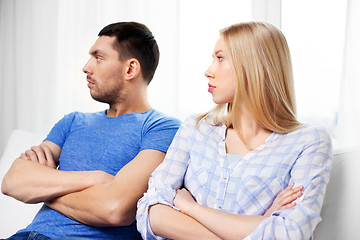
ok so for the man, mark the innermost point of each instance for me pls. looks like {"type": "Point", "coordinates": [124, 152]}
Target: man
{"type": "Point", "coordinates": [73, 170]}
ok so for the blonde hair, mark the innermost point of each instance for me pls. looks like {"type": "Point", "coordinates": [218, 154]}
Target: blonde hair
{"type": "Point", "coordinates": [261, 63]}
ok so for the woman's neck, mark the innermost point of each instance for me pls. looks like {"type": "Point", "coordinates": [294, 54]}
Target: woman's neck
{"type": "Point", "coordinates": [253, 134]}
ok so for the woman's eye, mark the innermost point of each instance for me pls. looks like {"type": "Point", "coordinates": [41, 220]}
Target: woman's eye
{"type": "Point", "coordinates": [220, 58]}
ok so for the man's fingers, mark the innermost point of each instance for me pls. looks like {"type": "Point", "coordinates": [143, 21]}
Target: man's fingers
{"type": "Point", "coordinates": [24, 157]}
{"type": "Point", "coordinates": [49, 156]}
{"type": "Point", "coordinates": [40, 155]}
{"type": "Point", "coordinates": [31, 155]}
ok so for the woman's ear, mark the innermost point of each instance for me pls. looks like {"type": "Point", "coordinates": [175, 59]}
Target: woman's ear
{"type": "Point", "coordinates": [133, 69]}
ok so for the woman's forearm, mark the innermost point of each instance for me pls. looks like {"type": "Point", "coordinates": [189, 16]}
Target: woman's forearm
{"type": "Point", "coordinates": [223, 224]}
{"type": "Point", "coordinates": [169, 223]}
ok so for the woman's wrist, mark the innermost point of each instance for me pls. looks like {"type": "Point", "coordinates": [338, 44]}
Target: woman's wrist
{"type": "Point", "coordinates": [190, 208]}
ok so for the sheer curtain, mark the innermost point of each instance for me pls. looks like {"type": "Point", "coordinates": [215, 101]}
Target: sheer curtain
{"type": "Point", "coordinates": [349, 112]}
{"type": "Point", "coordinates": [27, 64]}
{"type": "Point", "coordinates": [44, 45]}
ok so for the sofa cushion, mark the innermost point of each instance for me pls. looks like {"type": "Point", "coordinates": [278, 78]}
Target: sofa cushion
{"type": "Point", "coordinates": [341, 208]}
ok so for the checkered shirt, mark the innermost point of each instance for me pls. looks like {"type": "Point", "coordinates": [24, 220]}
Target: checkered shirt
{"type": "Point", "coordinates": [197, 160]}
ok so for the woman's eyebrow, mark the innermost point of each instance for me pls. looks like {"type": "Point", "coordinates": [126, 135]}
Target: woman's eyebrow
{"type": "Point", "coordinates": [217, 52]}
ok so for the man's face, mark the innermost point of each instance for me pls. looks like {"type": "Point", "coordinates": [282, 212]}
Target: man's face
{"type": "Point", "coordinates": [105, 72]}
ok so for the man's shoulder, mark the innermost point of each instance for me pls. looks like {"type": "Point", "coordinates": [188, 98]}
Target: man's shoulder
{"type": "Point", "coordinates": [77, 114]}
{"type": "Point", "coordinates": [157, 118]}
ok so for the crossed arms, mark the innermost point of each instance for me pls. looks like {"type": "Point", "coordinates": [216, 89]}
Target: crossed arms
{"type": "Point", "coordinates": [195, 221]}
{"type": "Point", "coordinates": [92, 197]}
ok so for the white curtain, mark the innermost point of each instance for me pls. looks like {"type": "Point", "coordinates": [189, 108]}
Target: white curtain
{"type": "Point", "coordinates": [349, 112]}
{"type": "Point", "coordinates": [27, 37]}
{"type": "Point", "coordinates": [44, 45]}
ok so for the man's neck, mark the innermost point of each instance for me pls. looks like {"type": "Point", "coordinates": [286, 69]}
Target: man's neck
{"type": "Point", "coordinates": [135, 102]}
{"type": "Point", "coordinates": [115, 111]}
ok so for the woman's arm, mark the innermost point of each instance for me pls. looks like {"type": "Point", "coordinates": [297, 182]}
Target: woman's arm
{"type": "Point", "coordinates": [227, 225]}
{"type": "Point", "coordinates": [165, 180]}
{"type": "Point", "coordinates": [172, 224]}
{"type": "Point", "coordinates": [312, 170]}
{"type": "Point", "coordinates": [285, 199]}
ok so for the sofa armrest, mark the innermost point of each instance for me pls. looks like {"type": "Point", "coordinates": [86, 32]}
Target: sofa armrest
{"type": "Point", "coordinates": [16, 215]}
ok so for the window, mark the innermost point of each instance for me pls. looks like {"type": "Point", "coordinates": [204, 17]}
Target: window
{"type": "Point", "coordinates": [315, 32]}
{"type": "Point", "coordinates": [198, 26]}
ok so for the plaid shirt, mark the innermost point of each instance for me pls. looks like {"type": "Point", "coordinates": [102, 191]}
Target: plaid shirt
{"type": "Point", "coordinates": [197, 160]}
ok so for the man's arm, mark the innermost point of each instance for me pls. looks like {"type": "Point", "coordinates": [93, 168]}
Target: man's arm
{"type": "Point", "coordinates": [32, 181]}
{"type": "Point", "coordinates": [113, 203]}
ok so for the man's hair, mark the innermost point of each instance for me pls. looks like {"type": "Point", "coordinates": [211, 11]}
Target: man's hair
{"type": "Point", "coordinates": [135, 40]}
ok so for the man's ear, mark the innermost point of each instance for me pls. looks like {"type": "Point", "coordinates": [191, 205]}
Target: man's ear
{"type": "Point", "coordinates": [133, 69]}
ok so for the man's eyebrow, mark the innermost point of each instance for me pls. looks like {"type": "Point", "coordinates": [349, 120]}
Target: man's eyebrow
{"type": "Point", "coordinates": [96, 52]}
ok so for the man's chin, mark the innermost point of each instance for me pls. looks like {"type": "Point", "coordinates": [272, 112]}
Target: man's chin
{"type": "Point", "coordinates": [98, 98]}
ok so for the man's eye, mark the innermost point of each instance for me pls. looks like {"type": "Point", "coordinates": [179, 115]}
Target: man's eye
{"type": "Point", "coordinates": [98, 58]}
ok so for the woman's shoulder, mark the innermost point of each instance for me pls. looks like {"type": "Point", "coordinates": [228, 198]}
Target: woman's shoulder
{"type": "Point", "coordinates": [311, 133]}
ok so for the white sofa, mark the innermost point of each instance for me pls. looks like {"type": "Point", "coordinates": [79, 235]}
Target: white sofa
{"type": "Point", "coordinates": [341, 208]}
{"type": "Point", "coordinates": [15, 215]}
{"type": "Point", "coordinates": [340, 213]}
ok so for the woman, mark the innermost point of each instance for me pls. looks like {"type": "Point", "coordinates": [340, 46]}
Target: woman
{"type": "Point", "coordinates": [234, 160]}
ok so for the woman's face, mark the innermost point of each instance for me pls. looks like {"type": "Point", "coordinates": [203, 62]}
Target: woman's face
{"type": "Point", "coordinates": [220, 75]}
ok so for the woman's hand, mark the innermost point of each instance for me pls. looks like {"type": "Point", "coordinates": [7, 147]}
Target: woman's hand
{"type": "Point", "coordinates": [285, 199]}
{"type": "Point", "coordinates": [184, 200]}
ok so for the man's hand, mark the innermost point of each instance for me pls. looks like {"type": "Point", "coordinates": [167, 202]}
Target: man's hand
{"type": "Point", "coordinates": [40, 154]}
{"type": "Point", "coordinates": [33, 177]}
{"type": "Point", "coordinates": [285, 199]}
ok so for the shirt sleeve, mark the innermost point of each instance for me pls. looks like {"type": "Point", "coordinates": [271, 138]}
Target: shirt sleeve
{"type": "Point", "coordinates": [160, 133]}
{"type": "Point", "coordinates": [61, 130]}
{"type": "Point", "coordinates": [164, 180]}
{"type": "Point", "coordinates": [312, 170]}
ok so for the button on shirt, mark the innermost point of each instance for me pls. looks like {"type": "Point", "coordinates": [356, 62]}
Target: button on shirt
{"type": "Point", "coordinates": [197, 160]}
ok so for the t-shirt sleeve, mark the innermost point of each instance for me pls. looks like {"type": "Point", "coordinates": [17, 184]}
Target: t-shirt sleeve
{"type": "Point", "coordinates": [159, 133]}
{"type": "Point", "coordinates": [61, 130]}
{"type": "Point", "coordinates": [166, 178]}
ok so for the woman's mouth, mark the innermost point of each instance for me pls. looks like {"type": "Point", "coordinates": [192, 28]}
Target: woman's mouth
{"type": "Point", "coordinates": [211, 88]}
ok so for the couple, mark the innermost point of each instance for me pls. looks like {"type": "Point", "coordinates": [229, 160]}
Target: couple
{"type": "Point", "coordinates": [246, 169]}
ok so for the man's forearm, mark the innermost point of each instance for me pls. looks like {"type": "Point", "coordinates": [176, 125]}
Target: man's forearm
{"type": "Point", "coordinates": [31, 182]}
{"type": "Point", "coordinates": [98, 205]}
{"type": "Point", "coordinates": [112, 203]}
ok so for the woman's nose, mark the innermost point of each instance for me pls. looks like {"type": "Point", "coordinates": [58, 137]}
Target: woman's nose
{"type": "Point", "coordinates": [209, 74]}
